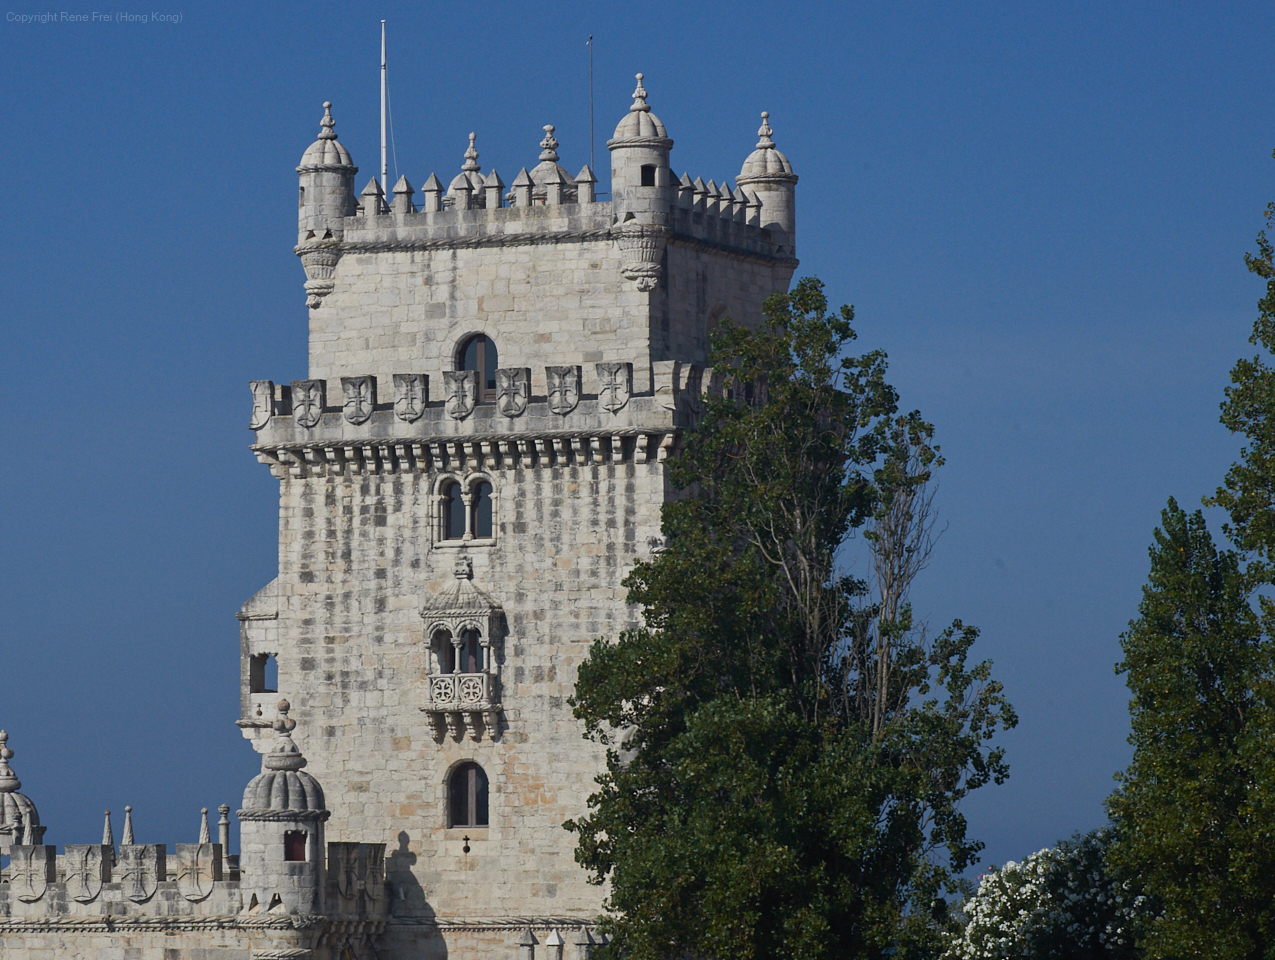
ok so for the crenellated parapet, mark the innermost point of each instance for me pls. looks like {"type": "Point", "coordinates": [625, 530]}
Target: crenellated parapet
{"type": "Point", "coordinates": [648, 206]}
{"type": "Point", "coordinates": [301, 432]}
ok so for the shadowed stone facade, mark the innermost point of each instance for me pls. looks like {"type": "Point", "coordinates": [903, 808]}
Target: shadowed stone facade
{"type": "Point", "coordinates": [498, 375]}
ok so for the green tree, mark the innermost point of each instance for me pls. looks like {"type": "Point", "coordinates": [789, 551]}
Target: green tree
{"type": "Point", "coordinates": [786, 747]}
{"type": "Point", "coordinates": [1194, 812]}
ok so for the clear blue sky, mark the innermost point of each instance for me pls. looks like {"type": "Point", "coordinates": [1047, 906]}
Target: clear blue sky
{"type": "Point", "coordinates": [1038, 210]}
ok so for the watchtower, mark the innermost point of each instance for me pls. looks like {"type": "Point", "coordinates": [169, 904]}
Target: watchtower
{"type": "Point", "coordinates": [497, 376]}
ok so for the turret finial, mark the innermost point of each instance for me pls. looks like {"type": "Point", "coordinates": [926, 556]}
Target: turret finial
{"type": "Point", "coordinates": [765, 133]}
{"type": "Point", "coordinates": [286, 755]}
{"type": "Point", "coordinates": [639, 98]}
{"type": "Point", "coordinates": [327, 123]}
{"type": "Point", "coordinates": [108, 835]}
{"type": "Point", "coordinates": [205, 836]}
{"type": "Point", "coordinates": [471, 155]}
{"type": "Point", "coordinates": [127, 840]}
{"type": "Point", "coordinates": [549, 145]}
{"type": "Point", "coordinates": [9, 781]}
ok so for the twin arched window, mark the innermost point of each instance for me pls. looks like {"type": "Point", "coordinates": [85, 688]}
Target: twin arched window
{"type": "Point", "coordinates": [466, 521]}
{"type": "Point", "coordinates": [471, 652]}
{"type": "Point", "coordinates": [479, 353]}
{"type": "Point", "coordinates": [467, 796]}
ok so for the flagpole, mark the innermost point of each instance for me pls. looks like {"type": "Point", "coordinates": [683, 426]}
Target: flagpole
{"type": "Point", "coordinates": [592, 163]}
{"type": "Point", "coordinates": [384, 165]}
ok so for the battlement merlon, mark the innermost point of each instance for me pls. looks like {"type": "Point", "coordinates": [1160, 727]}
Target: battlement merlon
{"type": "Point", "coordinates": [549, 272]}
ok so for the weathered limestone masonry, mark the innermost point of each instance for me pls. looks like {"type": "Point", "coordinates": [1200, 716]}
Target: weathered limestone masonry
{"type": "Point", "coordinates": [497, 378]}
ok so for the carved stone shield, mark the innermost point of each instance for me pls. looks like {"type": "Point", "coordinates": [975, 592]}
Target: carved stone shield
{"type": "Point", "coordinates": [307, 401]}
{"type": "Point", "coordinates": [140, 870]}
{"type": "Point", "coordinates": [31, 870]}
{"type": "Point", "coordinates": [615, 385]}
{"type": "Point", "coordinates": [198, 866]}
{"type": "Point", "coordinates": [411, 391]}
{"type": "Point", "coordinates": [345, 863]}
{"type": "Point", "coordinates": [262, 403]}
{"type": "Point", "coordinates": [374, 881]}
{"type": "Point", "coordinates": [88, 866]}
{"type": "Point", "coordinates": [462, 393]}
{"type": "Point", "coordinates": [564, 388]}
{"type": "Point", "coordinates": [513, 390]}
{"type": "Point", "coordinates": [360, 398]}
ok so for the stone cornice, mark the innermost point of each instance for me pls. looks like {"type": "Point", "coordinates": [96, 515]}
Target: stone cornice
{"type": "Point", "coordinates": [549, 448]}
{"type": "Point", "coordinates": [495, 923]}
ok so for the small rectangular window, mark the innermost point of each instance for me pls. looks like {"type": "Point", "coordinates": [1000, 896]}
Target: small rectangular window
{"type": "Point", "coordinates": [294, 846]}
{"type": "Point", "coordinates": [263, 673]}
{"type": "Point", "coordinates": [648, 175]}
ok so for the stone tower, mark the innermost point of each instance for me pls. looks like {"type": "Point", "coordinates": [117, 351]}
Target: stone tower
{"type": "Point", "coordinates": [496, 379]}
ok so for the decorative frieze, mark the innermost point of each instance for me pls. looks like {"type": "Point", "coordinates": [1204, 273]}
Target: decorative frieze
{"type": "Point", "coordinates": [487, 452]}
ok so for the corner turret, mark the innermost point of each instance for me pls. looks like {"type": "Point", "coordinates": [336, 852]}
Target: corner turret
{"type": "Point", "coordinates": [282, 851]}
{"type": "Point", "coordinates": [641, 184]}
{"type": "Point", "coordinates": [768, 175]}
{"type": "Point", "coordinates": [326, 199]}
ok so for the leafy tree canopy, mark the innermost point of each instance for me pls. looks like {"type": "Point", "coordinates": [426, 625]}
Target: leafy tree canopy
{"type": "Point", "coordinates": [786, 747]}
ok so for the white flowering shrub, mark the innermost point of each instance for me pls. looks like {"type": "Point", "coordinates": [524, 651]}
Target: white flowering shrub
{"type": "Point", "coordinates": [1058, 904]}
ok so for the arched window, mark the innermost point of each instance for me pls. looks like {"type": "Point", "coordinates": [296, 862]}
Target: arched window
{"type": "Point", "coordinates": [263, 673]}
{"type": "Point", "coordinates": [467, 797]}
{"type": "Point", "coordinates": [445, 651]}
{"type": "Point", "coordinates": [479, 353]}
{"type": "Point", "coordinates": [480, 509]}
{"type": "Point", "coordinates": [471, 653]}
{"type": "Point", "coordinates": [453, 511]}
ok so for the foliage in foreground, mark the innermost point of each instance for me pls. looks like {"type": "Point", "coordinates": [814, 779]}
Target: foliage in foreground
{"type": "Point", "coordinates": [1062, 903]}
{"type": "Point", "coordinates": [786, 747]}
{"type": "Point", "coordinates": [1196, 810]}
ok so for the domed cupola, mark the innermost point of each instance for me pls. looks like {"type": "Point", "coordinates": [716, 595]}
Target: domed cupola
{"type": "Point", "coordinates": [326, 151]}
{"type": "Point", "coordinates": [639, 123]}
{"type": "Point", "coordinates": [19, 820]}
{"type": "Point", "coordinates": [281, 784]}
{"type": "Point", "coordinates": [768, 174]}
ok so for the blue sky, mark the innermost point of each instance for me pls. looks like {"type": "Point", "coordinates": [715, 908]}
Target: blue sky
{"type": "Point", "coordinates": [1038, 210]}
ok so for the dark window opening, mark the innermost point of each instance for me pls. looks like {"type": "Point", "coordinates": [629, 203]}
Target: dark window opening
{"type": "Point", "coordinates": [294, 846]}
{"type": "Point", "coordinates": [471, 653]}
{"type": "Point", "coordinates": [453, 512]}
{"type": "Point", "coordinates": [446, 652]}
{"type": "Point", "coordinates": [648, 175]}
{"type": "Point", "coordinates": [481, 509]}
{"type": "Point", "coordinates": [467, 797]}
{"type": "Point", "coordinates": [479, 353]}
{"type": "Point", "coordinates": [263, 673]}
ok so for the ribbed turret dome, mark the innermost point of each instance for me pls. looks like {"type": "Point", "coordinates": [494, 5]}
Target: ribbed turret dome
{"type": "Point", "coordinates": [14, 807]}
{"type": "Point", "coordinates": [281, 785]}
{"type": "Point", "coordinates": [326, 152]}
{"type": "Point", "coordinates": [639, 123]}
{"type": "Point", "coordinates": [766, 160]}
